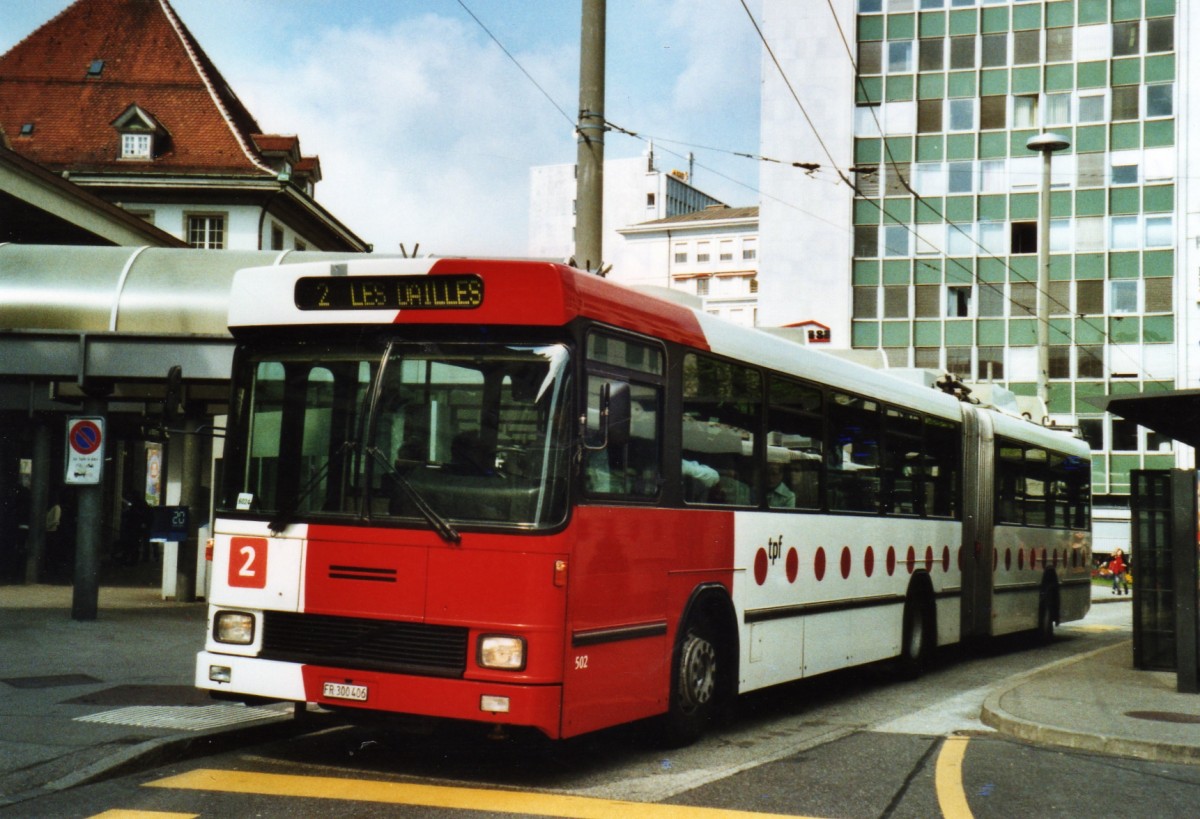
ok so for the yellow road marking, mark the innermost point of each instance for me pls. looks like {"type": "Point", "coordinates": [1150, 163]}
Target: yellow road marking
{"type": "Point", "coordinates": [948, 779]}
{"type": "Point", "coordinates": [401, 793]}
{"type": "Point", "coordinates": [1094, 628]}
{"type": "Point", "coordinates": [143, 814]}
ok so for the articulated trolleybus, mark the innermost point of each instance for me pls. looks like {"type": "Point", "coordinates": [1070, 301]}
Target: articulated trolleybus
{"type": "Point", "coordinates": [514, 493]}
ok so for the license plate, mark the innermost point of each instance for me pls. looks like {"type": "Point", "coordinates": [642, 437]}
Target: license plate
{"type": "Point", "coordinates": [345, 691]}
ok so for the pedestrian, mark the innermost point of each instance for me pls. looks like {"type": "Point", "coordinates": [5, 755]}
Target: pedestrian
{"type": "Point", "coordinates": [1116, 565]}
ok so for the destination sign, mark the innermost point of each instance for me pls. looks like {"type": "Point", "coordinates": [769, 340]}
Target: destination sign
{"type": "Point", "coordinates": [456, 292]}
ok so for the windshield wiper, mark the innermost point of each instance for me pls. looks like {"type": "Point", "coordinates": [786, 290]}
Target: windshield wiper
{"type": "Point", "coordinates": [285, 516]}
{"type": "Point", "coordinates": [442, 526]}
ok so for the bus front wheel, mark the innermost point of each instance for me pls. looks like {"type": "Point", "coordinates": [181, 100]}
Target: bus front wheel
{"type": "Point", "coordinates": [694, 685]}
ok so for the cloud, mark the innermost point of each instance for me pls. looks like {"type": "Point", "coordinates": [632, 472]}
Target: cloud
{"type": "Point", "coordinates": [425, 129]}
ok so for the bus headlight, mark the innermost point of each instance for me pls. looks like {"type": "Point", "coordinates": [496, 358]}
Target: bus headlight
{"type": "Point", "coordinates": [235, 627]}
{"type": "Point", "coordinates": [502, 651]}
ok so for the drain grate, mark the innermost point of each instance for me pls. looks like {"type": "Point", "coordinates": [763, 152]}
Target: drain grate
{"type": "Point", "coordinates": [55, 681]}
{"type": "Point", "coordinates": [182, 717]}
{"type": "Point", "coordinates": [1165, 716]}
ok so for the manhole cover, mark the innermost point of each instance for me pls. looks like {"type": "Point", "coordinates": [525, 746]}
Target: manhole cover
{"type": "Point", "coordinates": [145, 695]}
{"type": "Point", "coordinates": [55, 681]}
{"type": "Point", "coordinates": [1165, 716]}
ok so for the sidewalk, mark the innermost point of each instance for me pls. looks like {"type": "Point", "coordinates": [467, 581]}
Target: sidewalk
{"type": "Point", "coordinates": [1100, 703]}
{"type": "Point", "coordinates": [82, 701]}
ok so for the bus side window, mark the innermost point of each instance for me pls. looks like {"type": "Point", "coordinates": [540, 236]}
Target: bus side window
{"type": "Point", "coordinates": [794, 445]}
{"type": "Point", "coordinates": [627, 465]}
{"type": "Point", "coordinates": [722, 408]}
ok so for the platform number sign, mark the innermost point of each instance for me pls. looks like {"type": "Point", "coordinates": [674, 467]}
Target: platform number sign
{"type": "Point", "coordinates": [85, 450]}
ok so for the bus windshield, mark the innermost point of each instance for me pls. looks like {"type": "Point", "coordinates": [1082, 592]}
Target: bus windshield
{"type": "Point", "coordinates": [402, 434]}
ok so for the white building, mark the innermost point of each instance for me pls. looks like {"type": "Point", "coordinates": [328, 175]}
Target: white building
{"type": "Point", "coordinates": [635, 191]}
{"type": "Point", "coordinates": [712, 254]}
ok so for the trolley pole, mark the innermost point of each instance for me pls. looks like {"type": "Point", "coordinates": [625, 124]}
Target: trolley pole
{"type": "Point", "coordinates": [1047, 144]}
{"type": "Point", "coordinates": [589, 191]}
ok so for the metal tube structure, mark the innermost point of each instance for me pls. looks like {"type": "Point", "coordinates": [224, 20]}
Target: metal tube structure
{"type": "Point", "coordinates": [1047, 144]}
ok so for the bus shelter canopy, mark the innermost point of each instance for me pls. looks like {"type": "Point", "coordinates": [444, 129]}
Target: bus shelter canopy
{"type": "Point", "coordinates": [1175, 414]}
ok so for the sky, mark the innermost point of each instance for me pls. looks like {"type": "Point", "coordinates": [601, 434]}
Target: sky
{"type": "Point", "coordinates": [427, 130]}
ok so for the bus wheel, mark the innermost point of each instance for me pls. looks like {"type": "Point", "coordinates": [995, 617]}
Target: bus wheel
{"type": "Point", "coordinates": [915, 638]}
{"type": "Point", "coordinates": [694, 689]}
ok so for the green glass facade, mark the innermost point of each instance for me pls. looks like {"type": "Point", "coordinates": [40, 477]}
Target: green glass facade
{"type": "Point", "coordinates": [946, 202]}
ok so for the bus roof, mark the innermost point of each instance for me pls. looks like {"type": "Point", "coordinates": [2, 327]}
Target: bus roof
{"type": "Point", "coordinates": [515, 293]}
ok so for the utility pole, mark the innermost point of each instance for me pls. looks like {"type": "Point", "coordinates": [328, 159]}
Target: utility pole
{"type": "Point", "coordinates": [589, 167]}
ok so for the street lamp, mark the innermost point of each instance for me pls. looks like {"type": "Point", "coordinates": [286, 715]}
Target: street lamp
{"type": "Point", "coordinates": [1047, 144]}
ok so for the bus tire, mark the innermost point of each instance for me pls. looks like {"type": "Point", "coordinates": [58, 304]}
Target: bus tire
{"type": "Point", "coordinates": [695, 684]}
{"type": "Point", "coordinates": [918, 635]}
{"type": "Point", "coordinates": [1047, 614]}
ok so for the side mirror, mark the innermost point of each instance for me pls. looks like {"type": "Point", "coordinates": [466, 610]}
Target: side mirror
{"type": "Point", "coordinates": [619, 413]}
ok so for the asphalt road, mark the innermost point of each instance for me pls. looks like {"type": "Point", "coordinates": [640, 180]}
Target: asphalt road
{"type": "Point", "coordinates": [850, 744]}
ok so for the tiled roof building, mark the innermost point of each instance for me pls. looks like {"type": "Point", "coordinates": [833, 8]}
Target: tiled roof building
{"type": "Point", "coordinates": [119, 97]}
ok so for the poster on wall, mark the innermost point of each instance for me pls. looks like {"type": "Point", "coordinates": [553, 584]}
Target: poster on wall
{"type": "Point", "coordinates": [153, 474]}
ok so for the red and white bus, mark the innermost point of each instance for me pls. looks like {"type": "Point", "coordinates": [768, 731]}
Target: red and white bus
{"type": "Point", "coordinates": [514, 493]}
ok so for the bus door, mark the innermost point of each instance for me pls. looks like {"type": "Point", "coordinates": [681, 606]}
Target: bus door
{"type": "Point", "coordinates": [978, 543]}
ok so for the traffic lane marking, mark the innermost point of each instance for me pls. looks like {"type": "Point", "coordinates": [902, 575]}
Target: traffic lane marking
{"type": "Point", "coordinates": [143, 814]}
{"type": "Point", "coordinates": [952, 799]}
{"type": "Point", "coordinates": [478, 799]}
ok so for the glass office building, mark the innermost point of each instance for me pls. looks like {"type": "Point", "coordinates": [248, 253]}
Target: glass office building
{"type": "Point", "coordinates": [920, 110]}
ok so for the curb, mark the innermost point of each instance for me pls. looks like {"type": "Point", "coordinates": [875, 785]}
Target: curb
{"type": "Point", "coordinates": [994, 715]}
{"type": "Point", "coordinates": [164, 750]}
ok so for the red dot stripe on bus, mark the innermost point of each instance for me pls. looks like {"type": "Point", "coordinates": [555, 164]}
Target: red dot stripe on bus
{"type": "Point", "coordinates": [819, 564]}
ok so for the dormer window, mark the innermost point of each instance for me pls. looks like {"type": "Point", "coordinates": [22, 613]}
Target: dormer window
{"type": "Point", "coordinates": [135, 146]}
{"type": "Point", "coordinates": [95, 68]}
{"type": "Point", "coordinates": [142, 137]}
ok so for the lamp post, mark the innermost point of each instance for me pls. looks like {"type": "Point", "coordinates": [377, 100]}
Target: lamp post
{"type": "Point", "coordinates": [1047, 144]}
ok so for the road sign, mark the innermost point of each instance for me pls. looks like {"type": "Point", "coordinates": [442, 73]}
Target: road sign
{"type": "Point", "coordinates": [85, 450]}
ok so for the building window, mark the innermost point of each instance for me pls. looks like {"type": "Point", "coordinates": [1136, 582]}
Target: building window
{"type": "Point", "coordinates": [749, 250]}
{"type": "Point", "coordinates": [276, 237]}
{"type": "Point", "coordinates": [896, 240]}
{"type": "Point", "coordinates": [135, 146]}
{"type": "Point", "coordinates": [1027, 47]}
{"type": "Point", "coordinates": [870, 57]}
{"type": "Point", "coordinates": [1025, 113]}
{"type": "Point", "coordinates": [900, 57]}
{"type": "Point", "coordinates": [895, 301]}
{"type": "Point", "coordinates": [650, 199]}
{"type": "Point", "coordinates": [1160, 35]}
{"type": "Point", "coordinates": [961, 177]}
{"type": "Point", "coordinates": [932, 54]}
{"type": "Point", "coordinates": [725, 250]}
{"type": "Point", "coordinates": [1124, 435]}
{"type": "Point", "coordinates": [1160, 100]}
{"type": "Point", "coordinates": [991, 363]}
{"type": "Point", "coordinates": [1125, 102]}
{"type": "Point", "coordinates": [1125, 39]}
{"type": "Point", "coordinates": [1091, 107]}
{"type": "Point", "coordinates": [681, 255]}
{"type": "Point", "coordinates": [1024, 237]}
{"type": "Point", "coordinates": [206, 232]}
{"type": "Point", "coordinates": [1160, 232]}
{"type": "Point", "coordinates": [1124, 233]}
{"type": "Point", "coordinates": [992, 112]}
{"type": "Point", "coordinates": [994, 52]}
{"type": "Point", "coordinates": [1060, 362]}
{"type": "Point", "coordinates": [1089, 297]}
{"type": "Point", "coordinates": [958, 301]}
{"type": "Point", "coordinates": [962, 52]}
{"type": "Point", "coordinates": [702, 252]}
{"type": "Point", "coordinates": [1058, 109]}
{"type": "Point", "coordinates": [962, 115]}
{"type": "Point", "coordinates": [929, 116]}
{"type": "Point", "coordinates": [1089, 361]}
{"type": "Point", "coordinates": [1059, 44]}
{"type": "Point", "coordinates": [702, 286]}
{"type": "Point", "coordinates": [1123, 296]}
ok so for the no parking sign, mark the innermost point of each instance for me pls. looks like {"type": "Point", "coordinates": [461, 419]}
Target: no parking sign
{"type": "Point", "coordinates": [85, 450]}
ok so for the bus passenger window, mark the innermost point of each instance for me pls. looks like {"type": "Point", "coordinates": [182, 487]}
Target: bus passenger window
{"type": "Point", "coordinates": [628, 467]}
{"type": "Point", "coordinates": [795, 427]}
{"type": "Point", "coordinates": [854, 455]}
{"type": "Point", "coordinates": [722, 405]}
